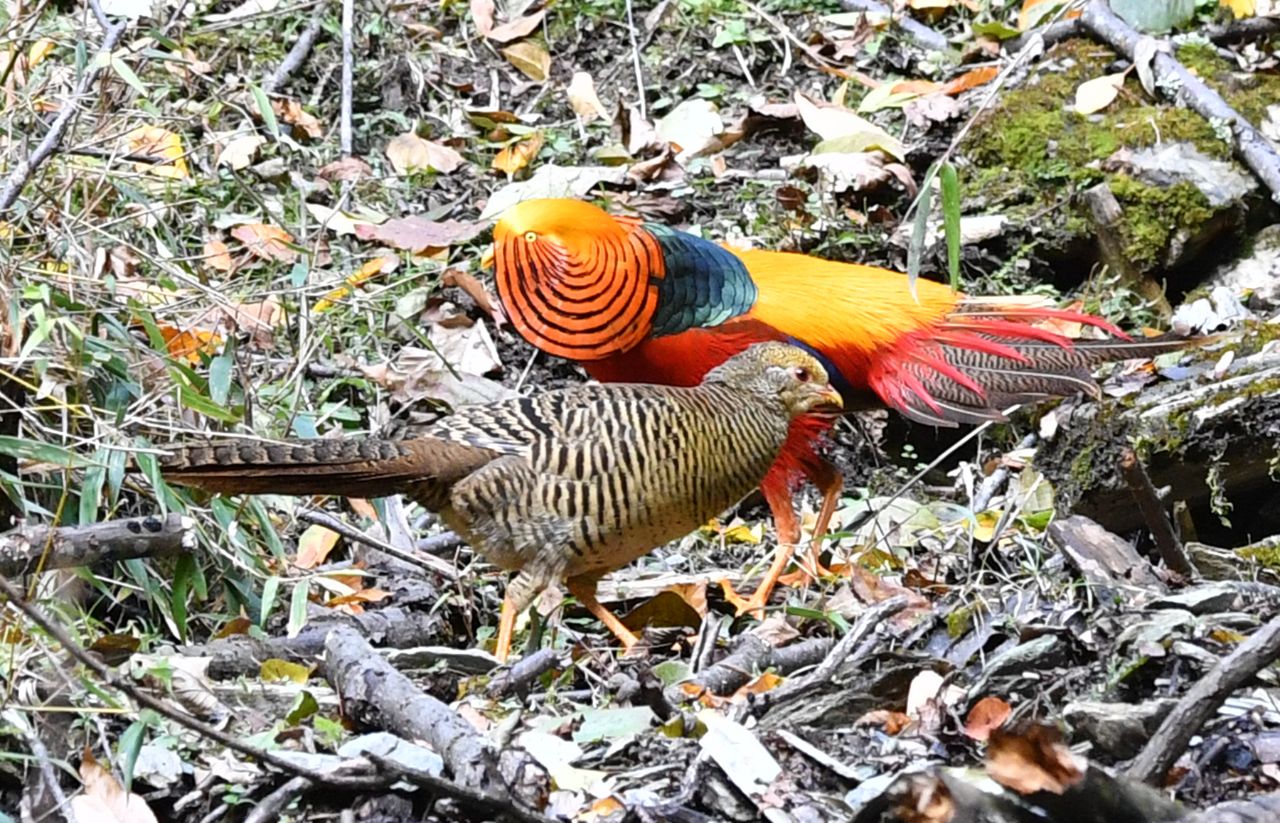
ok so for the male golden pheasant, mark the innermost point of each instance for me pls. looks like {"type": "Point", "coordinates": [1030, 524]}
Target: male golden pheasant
{"type": "Point", "coordinates": [568, 485]}
{"type": "Point", "coordinates": [636, 301]}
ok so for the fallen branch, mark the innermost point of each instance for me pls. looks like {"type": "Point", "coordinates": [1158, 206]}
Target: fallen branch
{"type": "Point", "coordinates": [298, 54]}
{"type": "Point", "coordinates": [1144, 493]}
{"type": "Point", "coordinates": [1202, 700]}
{"type": "Point", "coordinates": [1173, 79]}
{"type": "Point", "coordinates": [1108, 219]}
{"type": "Point", "coordinates": [520, 676]}
{"type": "Point", "coordinates": [36, 548]}
{"type": "Point", "coordinates": [917, 31]}
{"type": "Point", "coordinates": [428, 562]}
{"type": "Point", "coordinates": [374, 693]}
{"type": "Point", "coordinates": [22, 172]}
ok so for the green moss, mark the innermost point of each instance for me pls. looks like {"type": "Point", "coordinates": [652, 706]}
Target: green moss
{"type": "Point", "coordinates": [1266, 555]}
{"type": "Point", "coordinates": [960, 621]}
{"type": "Point", "coordinates": [1249, 93]}
{"type": "Point", "coordinates": [1154, 215]}
{"type": "Point", "coordinates": [1082, 468]}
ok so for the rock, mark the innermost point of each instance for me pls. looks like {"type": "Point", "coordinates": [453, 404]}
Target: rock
{"type": "Point", "coordinates": [1257, 274]}
{"type": "Point", "coordinates": [1119, 730]}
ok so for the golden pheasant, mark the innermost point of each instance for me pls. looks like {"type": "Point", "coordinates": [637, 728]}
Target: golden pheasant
{"type": "Point", "coordinates": [636, 301]}
{"type": "Point", "coordinates": [566, 486]}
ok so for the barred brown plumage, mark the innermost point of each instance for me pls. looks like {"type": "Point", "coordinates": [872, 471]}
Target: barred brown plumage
{"type": "Point", "coordinates": [568, 485]}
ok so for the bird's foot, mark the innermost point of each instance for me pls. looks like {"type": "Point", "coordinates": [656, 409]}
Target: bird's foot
{"type": "Point", "coordinates": [753, 605]}
{"type": "Point", "coordinates": [802, 577]}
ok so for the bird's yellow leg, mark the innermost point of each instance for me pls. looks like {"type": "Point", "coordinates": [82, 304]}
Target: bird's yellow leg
{"type": "Point", "coordinates": [506, 629]}
{"type": "Point", "coordinates": [584, 588]}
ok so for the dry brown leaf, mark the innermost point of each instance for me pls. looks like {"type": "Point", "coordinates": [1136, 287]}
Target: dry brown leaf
{"type": "Point", "coordinates": [104, 799]}
{"type": "Point", "coordinates": [832, 122]}
{"type": "Point", "coordinates": [971, 80]}
{"type": "Point", "coordinates": [515, 29]}
{"type": "Point", "coordinates": [892, 722]}
{"type": "Point", "coordinates": [348, 168]}
{"type": "Point", "coordinates": [217, 256]}
{"type": "Point", "coordinates": [693, 127]}
{"type": "Point", "coordinates": [1036, 760]}
{"type": "Point", "coordinates": [409, 153]}
{"type": "Point", "coordinates": [583, 98]}
{"type": "Point", "coordinates": [354, 603]}
{"type": "Point", "coordinates": [987, 714]}
{"type": "Point", "coordinates": [304, 124]}
{"type": "Point", "coordinates": [532, 60]}
{"type": "Point", "coordinates": [516, 156]}
{"type": "Point", "coordinates": [239, 151]}
{"type": "Point", "coordinates": [258, 320]}
{"type": "Point", "coordinates": [477, 292]}
{"type": "Point", "coordinates": [482, 14]}
{"type": "Point", "coordinates": [266, 242]}
{"type": "Point", "coordinates": [418, 234]}
{"type": "Point", "coordinates": [1096, 94]}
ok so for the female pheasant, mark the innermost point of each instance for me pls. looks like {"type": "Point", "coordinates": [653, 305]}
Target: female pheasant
{"type": "Point", "coordinates": [568, 485]}
{"type": "Point", "coordinates": [636, 301]}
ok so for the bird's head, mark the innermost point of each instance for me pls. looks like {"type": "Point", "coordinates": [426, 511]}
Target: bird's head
{"type": "Point", "coordinates": [568, 224]}
{"type": "Point", "coordinates": [783, 371]}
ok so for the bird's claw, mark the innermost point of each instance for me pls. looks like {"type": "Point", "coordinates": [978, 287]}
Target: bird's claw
{"type": "Point", "coordinates": [753, 605]}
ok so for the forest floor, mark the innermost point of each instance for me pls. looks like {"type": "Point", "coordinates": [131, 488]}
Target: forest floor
{"type": "Point", "coordinates": [1066, 617]}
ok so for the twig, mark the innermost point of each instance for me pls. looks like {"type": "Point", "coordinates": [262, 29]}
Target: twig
{"type": "Point", "coordinates": [441, 543]}
{"type": "Point", "coordinates": [517, 678]}
{"type": "Point", "coordinates": [778, 25]}
{"type": "Point", "coordinates": [869, 621]}
{"type": "Point", "coordinates": [1250, 28]}
{"type": "Point", "coordinates": [22, 172]}
{"type": "Point", "coordinates": [1202, 700]}
{"type": "Point", "coordinates": [1184, 87]}
{"type": "Point", "coordinates": [635, 59]}
{"type": "Point", "coordinates": [498, 808]}
{"type": "Point", "coordinates": [1144, 493]}
{"type": "Point", "coordinates": [919, 32]}
{"type": "Point", "coordinates": [429, 562]}
{"type": "Point", "coordinates": [36, 615]}
{"type": "Point", "coordinates": [348, 77]}
{"type": "Point", "coordinates": [298, 54]}
{"type": "Point", "coordinates": [36, 548]}
{"type": "Point", "coordinates": [994, 482]}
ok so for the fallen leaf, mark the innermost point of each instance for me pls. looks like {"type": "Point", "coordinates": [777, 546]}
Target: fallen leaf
{"type": "Point", "coordinates": [189, 345]}
{"type": "Point", "coordinates": [249, 8]}
{"type": "Point", "coordinates": [258, 320]}
{"type": "Point", "coordinates": [409, 153]}
{"type": "Point", "coordinates": [515, 29]}
{"type": "Point", "coordinates": [831, 122]}
{"type": "Point", "coordinates": [1034, 761]}
{"type": "Point", "coordinates": [583, 98]}
{"type": "Point", "coordinates": [692, 127]}
{"type": "Point", "coordinates": [987, 714]}
{"type": "Point", "coordinates": [418, 234]}
{"type": "Point", "coordinates": [348, 168]}
{"type": "Point", "coordinates": [892, 722]}
{"type": "Point", "coordinates": [338, 222]}
{"type": "Point", "coordinates": [217, 256]}
{"type": "Point", "coordinates": [238, 153]}
{"type": "Point", "coordinates": [104, 800]}
{"type": "Point", "coordinates": [304, 124]}
{"type": "Point", "coordinates": [971, 80]}
{"type": "Point", "coordinates": [1096, 94]}
{"type": "Point", "coordinates": [859, 170]}
{"type": "Point", "coordinates": [516, 156]}
{"type": "Point", "coordinates": [266, 242]}
{"type": "Point", "coordinates": [161, 144]}
{"type": "Point", "coordinates": [476, 291]}
{"type": "Point", "coordinates": [39, 50]}
{"type": "Point", "coordinates": [1034, 11]}
{"type": "Point", "coordinates": [532, 60]}
{"type": "Point", "coordinates": [314, 546]}
{"type": "Point", "coordinates": [932, 108]}
{"type": "Point", "coordinates": [275, 670]}
{"type": "Point", "coordinates": [354, 603]}
{"type": "Point", "coordinates": [551, 180]}
{"type": "Point", "coordinates": [482, 14]}
{"type": "Point", "coordinates": [381, 264]}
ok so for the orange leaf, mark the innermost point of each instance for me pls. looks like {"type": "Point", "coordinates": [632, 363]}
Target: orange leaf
{"type": "Point", "coordinates": [239, 625]}
{"type": "Point", "coordinates": [476, 291]}
{"type": "Point", "coordinates": [920, 87]}
{"type": "Point", "coordinates": [1034, 761]}
{"type": "Point", "coordinates": [363, 508]}
{"type": "Point", "coordinates": [971, 80]}
{"type": "Point", "coordinates": [218, 257]}
{"type": "Point", "coordinates": [304, 123]}
{"type": "Point", "coordinates": [516, 156]}
{"type": "Point", "coordinates": [892, 722]}
{"type": "Point", "coordinates": [987, 714]}
{"type": "Point", "coordinates": [382, 264]}
{"type": "Point", "coordinates": [266, 242]}
{"type": "Point", "coordinates": [354, 603]}
{"type": "Point", "coordinates": [189, 344]}
{"type": "Point", "coordinates": [314, 546]}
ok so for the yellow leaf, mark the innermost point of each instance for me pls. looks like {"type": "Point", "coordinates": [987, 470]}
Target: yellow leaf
{"type": "Point", "coordinates": [379, 265]}
{"type": "Point", "coordinates": [161, 144]}
{"type": "Point", "coordinates": [1096, 94]}
{"type": "Point", "coordinates": [583, 98]}
{"type": "Point", "coordinates": [532, 60]}
{"type": "Point", "coordinates": [274, 669]}
{"type": "Point", "coordinates": [314, 546]}
{"type": "Point", "coordinates": [516, 156]}
{"type": "Point", "coordinates": [39, 50]}
{"type": "Point", "coordinates": [985, 528]}
{"type": "Point", "coordinates": [1239, 8]}
{"type": "Point", "coordinates": [741, 533]}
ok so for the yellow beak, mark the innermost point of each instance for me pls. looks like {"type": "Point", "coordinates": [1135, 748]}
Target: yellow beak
{"type": "Point", "coordinates": [486, 260]}
{"type": "Point", "coordinates": [831, 398]}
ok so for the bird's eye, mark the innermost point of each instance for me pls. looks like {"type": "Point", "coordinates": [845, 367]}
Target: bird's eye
{"type": "Point", "coordinates": [530, 236]}
{"type": "Point", "coordinates": [802, 374]}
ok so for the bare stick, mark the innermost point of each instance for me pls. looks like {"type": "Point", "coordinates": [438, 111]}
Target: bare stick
{"type": "Point", "coordinates": [22, 172]}
{"type": "Point", "coordinates": [635, 60]}
{"type": "Point", "coordinates": [35, 548]}
{"type": "Point", "coordinates": [1108, 218]}
{"type": "Point", "coordinates": [1202, 700]}
{"type": "Point", "coordinates": [298, 54]}
{"type": "Point", "coordinates": [919, 32]}
{"type": "Point", "coordinates": [1184, 87]}
{"type": "Point", "coordinates": [1144, 493]}
{"type": "Point", "coordinates": [348, 75]}
{"type": "Point", "coordinates": [36, 615]}
{"type": "Point", "coordinates": [428, 561]}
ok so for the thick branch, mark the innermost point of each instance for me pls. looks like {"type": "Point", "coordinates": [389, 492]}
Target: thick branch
{"type": "Point", "coordinates": [917, 31]}
{"type": "Point", "coordinates": [35, 548]}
